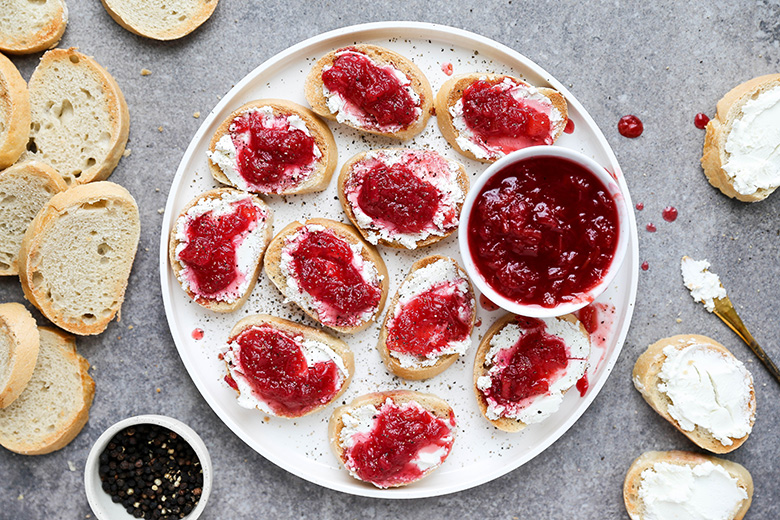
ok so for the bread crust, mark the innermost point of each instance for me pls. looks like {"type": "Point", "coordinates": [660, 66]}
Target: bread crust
{"type": "Point", "coordinates": [15, 109]}
{"type": "Point", "coordinates": [323, 137]}
{"type": "Point", "coordinates": [444, 362]}
{"type": "Point", "coordinates": [506, 424]}
{"type": "Point", "coordinates": [213, 304]}
{"type": "Point", "coordinates": [633, 480]}
{"type": "Point", "coordinates": [452, 91]}
{"type": "Point", "coordinates": [714, 154]}
{"type": "Point", "coordinates": [645, 377]}
{"type": "Point", "coordinates": [338, 346]}
{"type": "Point", "coordinates": [172, 33]}
{"type": "Point", "coordinates": [19, 326]}
{"type": "Point", "coordinates": [346, 173]}
{"type": "Point", "coordinates": [47, 37]}
{"type": "Point", "coordinates": [381, 56]}
{"type": "Point", "coordinates": [273, 257]}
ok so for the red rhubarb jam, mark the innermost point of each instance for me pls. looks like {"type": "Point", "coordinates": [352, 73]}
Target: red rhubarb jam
{"type": "Point", "coordinates": [402, 434]}
{"type": "Point", "coordinates": [325, 266]}
{"type": "Point", "coordinates": [272, 363]}
{"type": "Point", "coordinates": [376, 93]}
{"type": "Point", "coordinates": [543, 231]}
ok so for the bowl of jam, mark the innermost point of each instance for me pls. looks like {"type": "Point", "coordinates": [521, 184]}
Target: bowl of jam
{"type": "Point", "coordinates": [543, 231]}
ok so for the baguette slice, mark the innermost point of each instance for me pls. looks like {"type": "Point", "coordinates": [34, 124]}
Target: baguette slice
{"type": "Point", "coordinates": [419, 370]}
{"type": "Point", "coordinates": [369, 254]}
{"type": "Point", "coordinates": [636, 507]}
{"type": "Point", "coordinates": [14, 113]}
{"type": "Point", "coordinates": [24, 189]}
{"type": "Point", "coordinates": [452, 91]}
{"type": "Point", "coordinates": [382, 57]}
{"type": "Point", "coordinates": [77, 253]}
{"type": "Point", "coordinates": [646, 379]}
{"type": "Point", "coordinates": [19, 343]}
{"type": "Point", "coordinates": [436, 406]}
{"type": "Point", "coordinates": [31, 26]}
{"type": "Point", "coordinates": [338, 347]}
{"type": "Point", "coordinates": [729, 111]}
{"type": "Point", "coordinates": [375, 232]}
{"type": "Point", "coordinates": [223, 166]}
{"type": "Point", "coordinates": [54, 407]}
{"type": "Point", "coordinates": [264, 231]}
{"type": "Point", "coordinates": [160, 20]}
{"type": "Point", "coordinates": [80, 120]}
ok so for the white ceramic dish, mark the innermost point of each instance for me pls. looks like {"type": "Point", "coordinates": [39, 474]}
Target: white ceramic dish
{"type": "Point", "coordinates": [100, 501]}
{"type": "Point", "coordinates": [481, 453]}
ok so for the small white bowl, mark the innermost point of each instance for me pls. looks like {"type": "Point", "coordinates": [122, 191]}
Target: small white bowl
{"type": "Point", "coordinates": [100, 501]}
{"type": "Point", "coordinates": [533, 310]}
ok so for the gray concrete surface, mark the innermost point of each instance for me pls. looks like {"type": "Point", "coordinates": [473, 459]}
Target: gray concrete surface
{"type": "Point", "coordinates": [664, 61]}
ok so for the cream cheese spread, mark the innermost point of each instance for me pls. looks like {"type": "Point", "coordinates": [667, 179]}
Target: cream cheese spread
{"type": "Point", "coordinates": [704, 285]}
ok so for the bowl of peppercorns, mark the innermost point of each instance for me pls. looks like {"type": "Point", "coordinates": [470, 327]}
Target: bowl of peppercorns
{"type": "Point", "coordinates": [148, 466]}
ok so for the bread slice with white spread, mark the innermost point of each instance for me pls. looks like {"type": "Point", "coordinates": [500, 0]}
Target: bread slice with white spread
{"type": "Point", "coordinates": [697, 385]}
{"type": "Point", "coordinates": [160, 20]}
{"type": "Point", "coordinates": [19, 344]}
{"type": "Point", "coordinates": [741, 154]}
{"type": "Point", "coordinates": [28, 26]}
{"type": "Point", "coordinates": [14, 113]}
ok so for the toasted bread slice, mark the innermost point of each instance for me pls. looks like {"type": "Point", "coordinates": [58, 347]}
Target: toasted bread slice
{"type": "Point", "coordinates": [31, 26]}
{"type": "Point", "coordinates": [452, 92]}
{"type": "Point", "coordinates": [449, 177]}
{"type": "Point", "coordinates": [646, 376]}
{"type": "Point", "coordinates": [77, 253]}
{"type": "Point", "coordinates": [222, 156]}
{"type": "Point", "coordinates": [715, 156]}
{"type": "Point", "coordinates": [381, 57]}
{"type": "Point", "coordinates": [344, 359]}
{"type": "Point", "coordinates": [636, 506]}
{"type": "Point", "coordinates": [436, 406]}
{"type": "Point", "coordinates": [256, 242]}
{"type": "Point", "coordinates": [24, 188]}
{"type": "Point", "coordinates": [160, 20]}
{"type": "Point", "coordinates": [370, 257]}
{"type": "Point", "coordinates": [54, 406]}
{"type": "Point", "coordinates": [420, 367]}
{"type": "Point", "coordinates": [14, 112]}
{"type": "Point", "coordinates": [19, 343]}
{"type": "Point", "coordinates": [80, 121]}
{"type": "Point", "coordinates": [482, 368]}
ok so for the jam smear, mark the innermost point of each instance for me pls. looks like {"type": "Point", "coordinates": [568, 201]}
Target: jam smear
{"type": "Point", "coordinates": [569, 129]}
{"type": "Point", "coordinates": [197, 334]}
{"type": "Point", "coordinates": [645, 266]}
{"type": "Point", "coordinates": [583, 385]}
{"type": "Point", "coordinates": [277, 371]}
{"type": "Point", "coordinates": [651, 228]}
{"type": "Point", "coordinates": [669, 213]}
{"type": "Point", "coordinates": [543, 231]}
{"type": "Point", "coordinates": [700, 121]}
{"type": "Point", "coordinates": [589, 317]}
{"type": "Point", "coordinates": [446, 68]}
{"type": "Point", "coordinates": [487, 303]}
{"type": "Point", "coordinates": [376, 91]}
{"type": "Point", "coordinates": [210, 253]}
{"type": "Point", "coordinates": [231, 382]}
{"type": "Point", "coordinates": [385, 456]}
{"type": "Point", "coordinates": [640, 206]}
{"type": "Point", "coordinates": [630, 126]}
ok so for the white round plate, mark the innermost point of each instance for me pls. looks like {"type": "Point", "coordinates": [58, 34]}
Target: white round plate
{"type": "Point", "coordinates": [481, 452]}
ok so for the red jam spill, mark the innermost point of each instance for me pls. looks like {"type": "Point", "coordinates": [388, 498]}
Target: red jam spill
{"type": "Point", "coordinates": [597, 318]}
{"type": "Point", "coordinates": [501, 121]}
{"type": "Point", "coordinates": [430, 321]}
{"type": "Point", "coordinates": [231, 382]}
{"type": "Point", "coordinates": [446, 68]}
{"type": "Point", "coordinates": [374, 90]}
{"type": "Point", "coordinates": [640, 206]}
{"type": "Point", "coordinates": [543, 231]}
{"type": "Point", "coordinates": [630, 126]}
{"type": "Point", "coordinates": [210, 253]}
{"type": "Point", "coordinates": [569, 127]}
{"type": "Point", "coordinates": [270, 159]}
{"type": "Point", "coordinates": [487, 304]}
{"type": "Point", "coordinates": [583, 385]}
{"type": "Point", "coordinates": [645, 266]}
{"type": "Point", "coordinates": [701, 120]}
{"type": "Point", "coordinates": [651, 228]}
{"type": "Point", "coordinates": [322, 264]}
{"type": "Point", "coordinates": [385, 456]}
{"type": "Point", "coordinates": [669, 213]}
{"type": "Point", "coordinates": [589, 317]}
{"type": "Point", "coordinates": [197, 334]}
{"type": "Point", "coordinates": [278, 374]}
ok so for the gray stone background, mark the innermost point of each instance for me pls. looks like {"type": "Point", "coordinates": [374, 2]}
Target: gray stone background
{"type": "Point", "coordinates": [663, 61]}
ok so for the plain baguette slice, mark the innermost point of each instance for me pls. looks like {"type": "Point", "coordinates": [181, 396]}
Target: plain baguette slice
{"type": "Point", "coordinates": [273, 259]}
{"type": "Point", "coordinates": [76, 256]}
{"type": "Point", "coordinates": [453, 90]}
{"type": "Point", "coordinates": [381, 56]}
{"type": "Point", "coordinates": [80, 120]}
{"type": "Point", "coordinates": [14, 113]}
{"type": "Point", "coordinates": [54, 407]}
{"type": "Point", "coordinates": [28, 26]}
{"type": "Point", "coordinates": [19, 344]}
{"type": "Point", "coordinates": [445, 361]}
{"type": "Point", "coordinates": [729, 110]}
{"type": "Point", "coordinates": [646, 380]}
{"type": "Point", "coordinates": [635, 505]}
{"type": "Point", "coordinates": [323, 138]}
{"type": "Point", "coordinates": [160, 20]}
{"type": "Point", "coordinates": [24, 189]}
